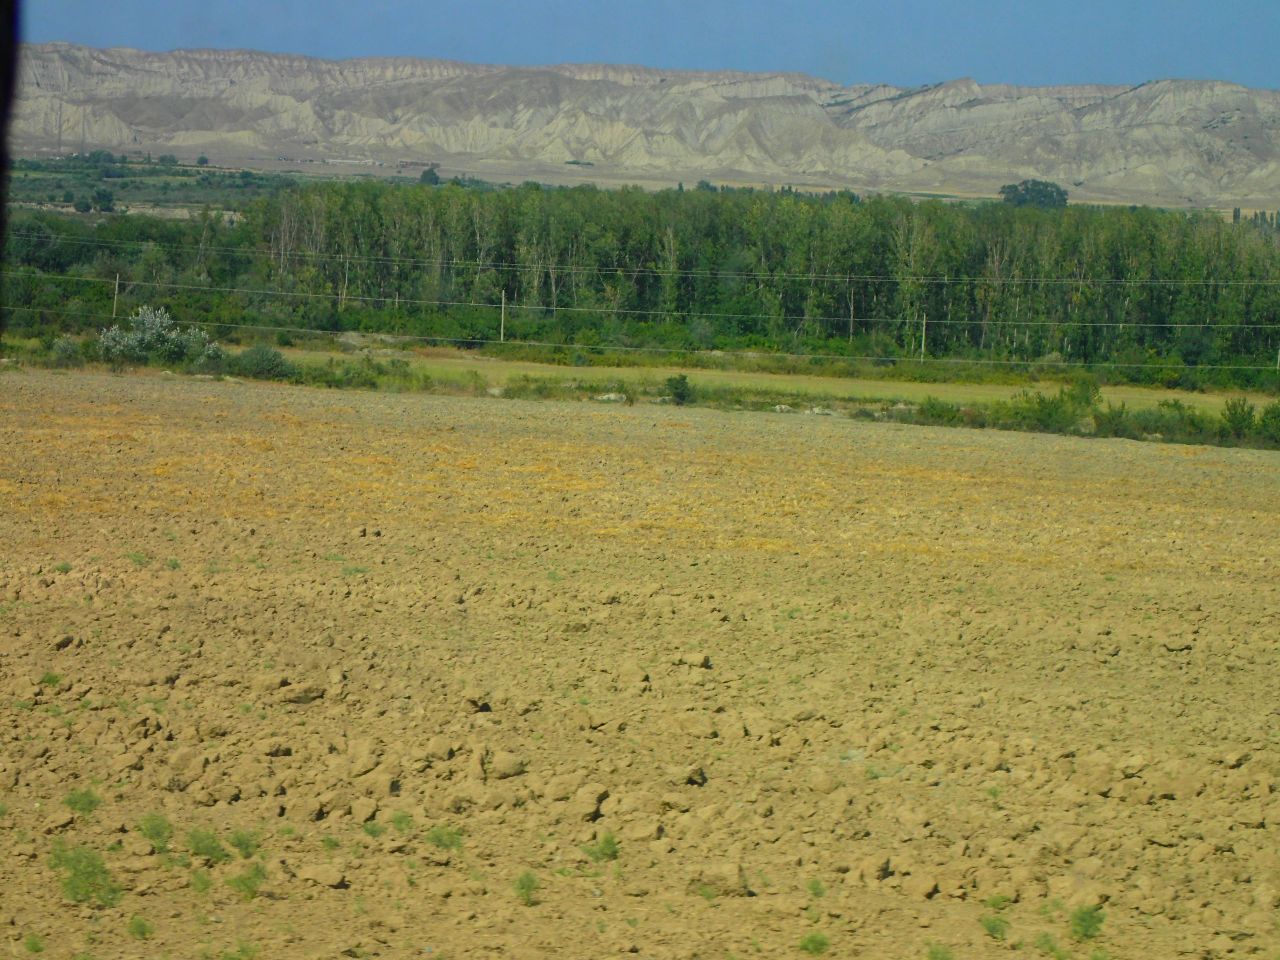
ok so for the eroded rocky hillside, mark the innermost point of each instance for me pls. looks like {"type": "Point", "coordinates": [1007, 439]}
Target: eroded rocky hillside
{"type": "Point", "coordinates": [1169, 142]}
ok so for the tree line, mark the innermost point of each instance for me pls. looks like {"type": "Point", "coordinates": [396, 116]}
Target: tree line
{"type": "Point", "coordinates": [1167, 296]}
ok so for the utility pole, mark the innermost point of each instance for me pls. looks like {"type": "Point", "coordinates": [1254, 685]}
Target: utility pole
{"type": "Point", "coordinates": [502, 323]}
{"type": "Point", "coordinates": [115, 300]}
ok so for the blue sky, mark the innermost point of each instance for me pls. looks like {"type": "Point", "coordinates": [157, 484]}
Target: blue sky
{"type": "Point", "coordinates": [907, 42]}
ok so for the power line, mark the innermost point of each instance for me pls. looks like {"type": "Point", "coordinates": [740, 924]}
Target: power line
{"type": "Point", "coordinates": [746, 354]}
{"type": "Point", "coordinates": [654, 271]}
{"type": "Point", "coordinates": [636, 312]}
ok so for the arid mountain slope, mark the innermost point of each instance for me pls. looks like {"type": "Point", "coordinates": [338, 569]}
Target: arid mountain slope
{"type": "Point", "coordinates": [1170, 142]}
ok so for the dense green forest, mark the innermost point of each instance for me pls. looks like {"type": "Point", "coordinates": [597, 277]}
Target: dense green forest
{"type": "Point", "coordinates": [1142, 294]}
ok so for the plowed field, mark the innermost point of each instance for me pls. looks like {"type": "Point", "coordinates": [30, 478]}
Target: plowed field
{"type": "Point", "coordinates": [299, 674]}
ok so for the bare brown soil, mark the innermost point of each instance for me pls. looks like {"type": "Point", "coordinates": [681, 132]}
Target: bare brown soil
{"type": "Point", "coordinates": [814, 676]}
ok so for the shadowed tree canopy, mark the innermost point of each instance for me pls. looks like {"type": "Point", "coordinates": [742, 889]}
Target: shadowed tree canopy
{"type": "Point", "coordinates": [1034, 193]}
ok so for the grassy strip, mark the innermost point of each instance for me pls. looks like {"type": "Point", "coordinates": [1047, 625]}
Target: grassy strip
{"type": "Point", "coordinates": [1074, 410]}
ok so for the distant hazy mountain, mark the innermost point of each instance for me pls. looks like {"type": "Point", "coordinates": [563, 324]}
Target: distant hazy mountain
{"type": "Point", "coordinates": [1168, 142]}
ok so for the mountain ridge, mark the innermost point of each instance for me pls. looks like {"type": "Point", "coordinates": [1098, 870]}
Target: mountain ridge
{"type": "Point", "coordinates": [1168, 142]}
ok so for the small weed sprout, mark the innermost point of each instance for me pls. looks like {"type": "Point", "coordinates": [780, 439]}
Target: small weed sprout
{"type": "Point", "coordinates": [330, 843]}
{"type": "Point", "coordinates": [87, 879]}
{"type": "Point", "coordinates": [139, 929]}
{"type": "Point", "coordinates": [1045, 943]}
{"type": "Point", "coordinates": [938, 952]}
{"type": "Point", "coordinates": [206, 845]}
{"type": "Point", "coordinates": [83, 802]}
{"type": "Point", "coordinates": [201, 881]}
{"type": "Point", "coordinates": [816, 888]}
{"type": "Point", "coordinates": [402, 821]}
{"type": "Point", "coordinates": [62, 567]}
{"type": "Point", "coordinates": [1086, 922]}
{"type": "Point", "coordinates": [445, 837]}
{"type": "Point", "coordinates": [32, 943]}
{"type": "Point", "coordinates": [245, 842]}
{"type": "Point", "coordinates": [373, 828]}
{"type": "Point", "coordinates": [50, 679]}
{"type": "Point", "coordinates": [997, 927]}
{"type": "Point", "coordinates": [606, 848]}
{"type": "Point", "coordinates": [247, 883]}
{"type": "Point", "coordinates": [526, 886]}
{"type": "Point", "coordinates": [815, 943]}
{"type": "Point", "coordinates": [158, 830]}
{"type": "Point", "coordinates": [997, 902]}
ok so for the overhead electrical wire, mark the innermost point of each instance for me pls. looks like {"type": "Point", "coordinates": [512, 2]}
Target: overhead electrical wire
{"type": "Point", "coordinates": [652, 271]}
{"type": "Point", "coordinates": [611, 348]}
{"type": "Point", "coordinates": [626, 311]}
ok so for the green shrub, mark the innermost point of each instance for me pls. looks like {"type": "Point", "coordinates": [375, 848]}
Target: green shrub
{"type": "Point", "coordinates": [87, 879]}
{"type": "Point", "coordinates": [1084, 393]}
{"type": "Point", "coordinates": [66, 352]}
{"type": "Point", "coordinates": [152, 336]}
{"type": "Point", "coordinates": [1174, 420]}
{"type": "Point", "coordinates": [1237, 418]}
{"type": "Point", "coordinates": [1268, 425]}
{"type": "Point", "coordinates": [525, 387]}
{"type": "Point", "coordinates": [935, 411]}
{"type": "Point", "coordinates": [261, 362]}
{"type": "Point", "coordinates": [1037, 411]}
{"type": "Point", "coordinates": [213, 359]}
{"type": "Point", "coordinates": [1113, 421]}
{"type": "Point", "coordinates": [680, 389]}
